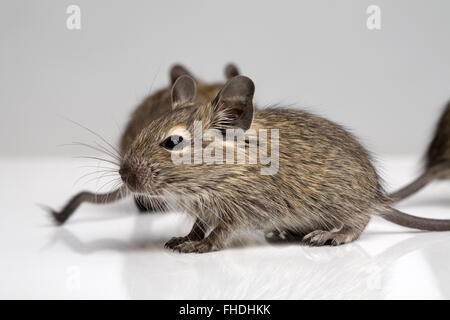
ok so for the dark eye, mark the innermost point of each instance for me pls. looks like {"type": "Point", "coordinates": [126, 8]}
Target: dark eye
{"type": "Point", "coordinates": [171, 142]}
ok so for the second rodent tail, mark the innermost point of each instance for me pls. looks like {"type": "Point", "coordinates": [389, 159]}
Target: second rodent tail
{"type": "Point", "coordinates": [85, 196]}
{"type": "Point", "coordinates": [424, 179]}
{"type": "Point", "coordinates": [407, 220]}
{"type": "Point", "coordinates": [411, 188]}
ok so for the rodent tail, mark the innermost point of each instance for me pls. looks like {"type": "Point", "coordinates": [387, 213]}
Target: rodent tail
{"type": "Point", "coordinates": [425, 178]}
{"type": "Point", "coordinates": [411, 188]}
{"type": "Point", "coordinates": [406, 220]}
{"type": "Point", "coordinates": [85, 196]}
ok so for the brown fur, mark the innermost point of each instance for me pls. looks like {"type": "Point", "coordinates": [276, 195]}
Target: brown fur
{"type": "Point", "coordinates": [156, 105]}
{"type": "Point", "coordinates": [326, 187]}
{"type": "Point", "coordinates": [151, 108]}
{"type": "Point", "coordinates": [159, 103]}
{"type": "Point", "coordinates": [324, 192]}
{"type": "Point", "coordinates": [322, 167]}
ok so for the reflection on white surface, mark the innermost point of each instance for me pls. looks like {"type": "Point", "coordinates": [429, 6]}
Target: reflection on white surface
{"type": "Point", "coordinates": [112, 252]}
{"type": "Point", "coordinates": [262, 271]}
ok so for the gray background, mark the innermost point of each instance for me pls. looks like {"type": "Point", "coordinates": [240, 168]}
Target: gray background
{"type": "Point", "coordinates": [388, 86]}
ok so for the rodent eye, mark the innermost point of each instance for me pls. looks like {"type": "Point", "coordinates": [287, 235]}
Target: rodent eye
{"type": "Point", "coordinates": [171, 142]}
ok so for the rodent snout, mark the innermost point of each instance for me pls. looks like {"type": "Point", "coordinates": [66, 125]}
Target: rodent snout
{"type": "Point", "coordinates": [134, 178]}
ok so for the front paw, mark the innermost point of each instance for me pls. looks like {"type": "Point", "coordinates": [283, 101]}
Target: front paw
{"type": "Point", "coordinates": [174, 242]}
{"type": "Point", "coordinates": [201, 246]}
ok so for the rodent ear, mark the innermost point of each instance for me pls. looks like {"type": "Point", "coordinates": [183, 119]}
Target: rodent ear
{"type": "Point", "coordinates": [177, 71]}
{"type": "Point", "coordinates": [235, 102]}
{"type": "Point", "coordinates": [184, 91]}
{"type": "Point", "coordinates": [231, 71]}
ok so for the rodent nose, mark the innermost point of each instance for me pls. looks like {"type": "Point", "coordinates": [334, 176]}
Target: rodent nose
{"type": "Point", "coordinates": [128, 177]}
{"type": "Point", "coordinates": [135, 177]}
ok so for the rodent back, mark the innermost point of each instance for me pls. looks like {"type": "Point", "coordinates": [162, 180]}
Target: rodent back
{"type": "Point", "coordinates": [321, 158]}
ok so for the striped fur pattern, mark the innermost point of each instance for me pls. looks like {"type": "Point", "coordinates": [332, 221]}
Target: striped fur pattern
{"type": "Point", "coordinates": [325, 182]}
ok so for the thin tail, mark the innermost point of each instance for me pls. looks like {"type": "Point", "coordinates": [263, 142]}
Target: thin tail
{"type": "Point", "coordinates": [411, 188]}
{"type": "Point", "coordinates": [85, 196]}
{"type": "Point", "coordinates": [425, 178]}
{"type": "Point", "coordinates": [409, 221]}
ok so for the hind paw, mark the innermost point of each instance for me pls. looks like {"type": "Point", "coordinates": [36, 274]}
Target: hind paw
{"type": "Point", "coordinates": [323, 238]}
{"type": "Point", "coordinates": [175, 241]}
{"type": "Point", "coordinates": [201, 246]}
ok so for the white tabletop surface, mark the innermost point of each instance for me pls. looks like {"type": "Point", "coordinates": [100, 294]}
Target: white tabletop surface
{"type": "Point", "coordinates": [111, 251]}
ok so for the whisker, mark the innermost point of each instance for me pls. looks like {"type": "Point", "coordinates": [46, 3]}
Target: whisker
{"type": "Point", "coordinates": [107, 183]}
{"type": "Point", "coordinates": [111, 153]}
{"type": "Point", "coordinates": [154, 78]}
{"type": "Point", "coordinates": [98, 148]}
{"type": "Point", "coordinates": [97, 167]}
{"type": "Point", "coordinates": [91, 173]}
{"type": "Point", "coordinates": [115, 186]}
{"type": "Point", "coordinates": [101, 177]}
{"type": "Point", "coordinates": [107, 153]}
{"type": "Point", "coordinates": [93, 132]}
{"type": "Point", "coordinates": [97, 158]}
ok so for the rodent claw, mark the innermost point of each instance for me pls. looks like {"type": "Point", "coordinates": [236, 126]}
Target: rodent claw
{"type": "Point", "coordinates": [201, 246]}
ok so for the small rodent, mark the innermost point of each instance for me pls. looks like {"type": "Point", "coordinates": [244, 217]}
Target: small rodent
{"type": "Point", "coordinates": [324, 192]}
{"type": "Point", "coordinates": [152, 107]}
{"type": "Point", "coordinates": [437, 159]}
{"type": "Point", "coordinates": [158, 104]}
